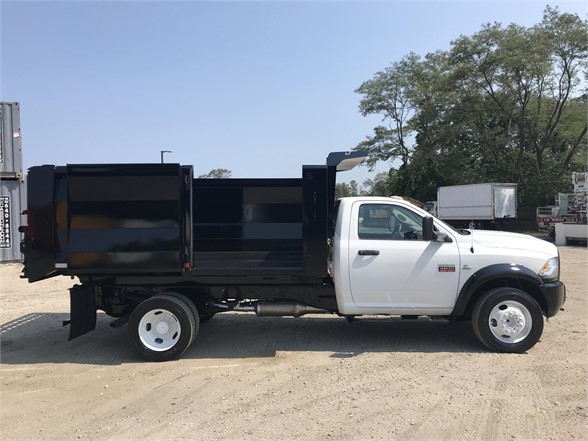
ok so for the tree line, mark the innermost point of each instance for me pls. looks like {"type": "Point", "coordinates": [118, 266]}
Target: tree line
{"type": "Point", "coordinates": [506, 104]}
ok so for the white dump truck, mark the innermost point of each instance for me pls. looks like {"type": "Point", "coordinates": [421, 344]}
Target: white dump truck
{"type": "Point", "coordinates": [163, 252]}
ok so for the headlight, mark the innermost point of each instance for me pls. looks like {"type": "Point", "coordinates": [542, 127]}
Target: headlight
{"type": "Point", "coordinates": [550, 269]}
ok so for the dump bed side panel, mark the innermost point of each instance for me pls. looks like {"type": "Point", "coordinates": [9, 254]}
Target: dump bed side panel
{"type": "Point", "coordinates": [127, 218]}
{"type": "Point", "coordinates": [247, 224]}
{"type": "Point", "coordinates": [262, 225]}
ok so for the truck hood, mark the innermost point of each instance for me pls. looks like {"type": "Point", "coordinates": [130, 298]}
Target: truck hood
{"type": "Point", "coordinates": [514, 241]}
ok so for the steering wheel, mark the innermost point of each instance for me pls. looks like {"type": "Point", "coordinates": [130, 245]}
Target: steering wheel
{"type": "Point", "coordinates": [394, 225]}
{"type": "Point", "coordinates": [411, 235]}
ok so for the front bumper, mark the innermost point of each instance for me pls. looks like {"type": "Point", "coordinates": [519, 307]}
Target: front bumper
{"type": "Point", "coordinates": [555, 295]}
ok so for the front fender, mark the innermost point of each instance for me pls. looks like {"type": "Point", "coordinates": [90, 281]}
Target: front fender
{"type": "Point", "coordinates": [486, 275]}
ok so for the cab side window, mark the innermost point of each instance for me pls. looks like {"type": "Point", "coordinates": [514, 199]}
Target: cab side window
{"type": "Point", "coordinates": [389, 222]}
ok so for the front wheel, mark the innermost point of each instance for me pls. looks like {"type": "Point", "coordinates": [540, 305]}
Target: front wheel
{"type": "Point", "coordinates": [162, 328]}
{"type": "Point", "coordinates": [507, 320]}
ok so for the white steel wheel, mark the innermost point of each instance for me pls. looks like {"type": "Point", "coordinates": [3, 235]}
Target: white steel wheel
{"type": "Point", "coordinates": [510, 322]}
{"type": "Point", "coordinates": [159, 330]}
{"type": "Point", "coordinates": [162, 328]}
{"type": "Point", "coordinates": [507, 320]}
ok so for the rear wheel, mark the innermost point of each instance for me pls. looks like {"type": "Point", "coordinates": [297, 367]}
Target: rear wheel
{"type": "Point", "coordinates": [162, 328]}
{"type": "Point", "coordinates": [192, 306]}
{"type": "Point", "coordinates": [507, 320]}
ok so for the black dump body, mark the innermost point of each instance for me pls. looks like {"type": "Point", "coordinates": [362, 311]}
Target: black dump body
{"type": "Point", "coordinates": [155, 223]}
{"type": "Point", "coordinates": [132, 231]}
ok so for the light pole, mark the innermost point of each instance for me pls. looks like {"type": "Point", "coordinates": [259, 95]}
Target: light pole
{"type": "Point", "coordinates": [162, 152]}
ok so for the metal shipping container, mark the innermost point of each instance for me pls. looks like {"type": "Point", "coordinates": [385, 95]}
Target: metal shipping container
{"type": "Point", "coordinates": [12, 199]}
{"type": "Point", "coordinates": [10, 141]}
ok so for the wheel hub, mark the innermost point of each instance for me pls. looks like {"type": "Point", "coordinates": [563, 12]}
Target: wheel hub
{"type": "Point", "coordinates": [510, 322]}
{"type": "Point", "coordinates": [159, 330]}
{"type": "Point", "coordinates": [162, 328]}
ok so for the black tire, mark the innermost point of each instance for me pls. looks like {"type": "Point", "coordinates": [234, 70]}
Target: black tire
{"type": "Point", "coordinates": [162, 327]}
{"type": "Point", "coordinates": [201, 317]}
{"type": "Point", "coordinates": [507, 320]}
{"type": "Point", "coordinates": [192, 306]}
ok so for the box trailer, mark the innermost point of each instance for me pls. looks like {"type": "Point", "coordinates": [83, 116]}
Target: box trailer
{"type": "Point", "coordinates": [477, 204]}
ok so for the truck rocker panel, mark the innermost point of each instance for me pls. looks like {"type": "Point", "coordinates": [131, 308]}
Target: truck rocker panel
{"type": "Point", "coordinates": [164, 252]}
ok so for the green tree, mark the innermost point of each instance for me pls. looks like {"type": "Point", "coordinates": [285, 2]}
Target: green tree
{"type": "Point", "coordinates": [526, 77]}
{"type": "Point", "coordinates": [381, 185]}
{"type": "Point", "coordinates": [217, 173]}
{"type": "Point", "coordinates": [389, 95]}
{"type": "Point", "coordinates": [504, 104]}
{"type": "Point", "coordinates": [345, 189]}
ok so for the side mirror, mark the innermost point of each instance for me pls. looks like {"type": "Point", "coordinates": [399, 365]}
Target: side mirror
{"type": "Point", "coordinates": [428, 228]}
{"type": "Point", "coordinates": [442, 237]}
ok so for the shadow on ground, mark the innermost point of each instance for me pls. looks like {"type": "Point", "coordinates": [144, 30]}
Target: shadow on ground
{"type": "Point", "coordinates": [40, 338]}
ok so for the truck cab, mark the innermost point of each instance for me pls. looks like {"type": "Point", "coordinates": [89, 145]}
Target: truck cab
{"type": "Point", "coordinates": [391, 257]}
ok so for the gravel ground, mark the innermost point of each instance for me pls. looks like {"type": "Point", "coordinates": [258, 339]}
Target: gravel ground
{"type": "Point", "coordinates": [266, 378]}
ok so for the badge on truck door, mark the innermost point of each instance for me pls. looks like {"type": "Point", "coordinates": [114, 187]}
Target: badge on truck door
{"type": "Point", "coordinates": [446, 268]}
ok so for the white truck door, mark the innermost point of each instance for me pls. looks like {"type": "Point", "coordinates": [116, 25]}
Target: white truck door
{"type": "Point", "coordinates": [392, 269]}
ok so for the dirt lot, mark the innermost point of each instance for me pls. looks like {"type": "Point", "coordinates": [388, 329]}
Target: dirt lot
{"type": "Point", "coordinates": [283, 378]}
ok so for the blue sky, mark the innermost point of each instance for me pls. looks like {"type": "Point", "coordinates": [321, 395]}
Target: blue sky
{"type": "Point", "coordinates": [259, 88]}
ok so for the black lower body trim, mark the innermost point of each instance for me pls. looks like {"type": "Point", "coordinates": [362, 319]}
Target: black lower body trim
{"type": "Point", "coordinates": [555, 294]}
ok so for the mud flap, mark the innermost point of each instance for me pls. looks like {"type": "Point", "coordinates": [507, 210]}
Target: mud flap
{"type": "Point", "coordinates": [82, 310]}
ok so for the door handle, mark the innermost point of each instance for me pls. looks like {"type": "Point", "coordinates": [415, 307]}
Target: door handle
{"type": "Point", "coordinates": [369, 252]}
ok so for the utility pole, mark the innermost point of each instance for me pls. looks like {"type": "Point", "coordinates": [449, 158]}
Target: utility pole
{"type": "Point", "coordinates": [162, 152]}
